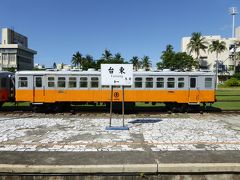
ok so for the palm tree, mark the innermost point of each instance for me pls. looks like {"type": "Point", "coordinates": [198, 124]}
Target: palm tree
{"type": "Point", "coordinates": [196, 44]}
{"type": "Point", "coordinates": [88, 58]}
{"type": "Point", "coordinates": [118, 58]}
{"type": "Point", "coordinates": [88, 62]}
{"type": "Point", "coordinates": [218, 47]}
{"type": "Point", "coordinates": [107, 55]}
{"type": "Point", "coordinates": [136, 63]}
{"type": "Point", "coordinates": [77, 59]}
{"type": "Point", "coordinates": [146, 63]}
{"type": "Point", "coordinates": [54, 66]}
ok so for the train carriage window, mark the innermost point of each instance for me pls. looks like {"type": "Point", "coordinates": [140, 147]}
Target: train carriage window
{"type": "Point", "coordinates": [160, 83]}
{"type": "Point", "coordinates": [61, 82]}
{"type": "Point", "coordinates": [23, 82]}
{"type": "Point", "coordinates": [72, 83]}
{"type": "Point", "coordinates": [192, 82]}
{"type": "Point", "coordinates": [180, 82]}
{"type": "Point", "coordinates": [3, 82]}
{"type": "Point", "coordinates": [94, 82]}
{"type": "Point", "coordinates": [38, 82]}
{"type": "Point", "coordinates": [138, 82]}
{"type": "Point", "coordinates": [149, 82]}
{"type": "Point", "coordinates": [208, 82]}
{"type": "Point", "coordinates": [51, 82]}
{"type": "Point", "coordinates": [83, 82]}
{"type": "Point", "coordinates": [171, 83]}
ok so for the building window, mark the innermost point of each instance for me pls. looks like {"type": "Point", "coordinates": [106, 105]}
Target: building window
{"type": "Point", "coordinates": [72, 83]}
{"type": "Point", "coordinates": [94, 82]}
{"type": "Point", "coordinates": [149, 82]}
{"type": "Point", "coordinates": [12, 59]}
{"type": "Point", "coordinates": [170, 82]}
{"type": "Point", "coordinates": [51, 82]}
{"type": "Point", "coordinates": [83, 82]}
{"type": "Point", "coordinates": [160, 83]}
{"type": "Point", "coordinates": [23, 82]}
{"type": "Point", "coordinates": [180, 82]}
{"type": "Point", "coordinates": [138, 82]}
{"type": "Point", "coordinates": [61, 82]}
{"type": "Point", "coordinates": [208, 82]}
{"type": "Point", "coordinates": [4, 56]}
{"type": "Point", "coordinates": [38, 82]}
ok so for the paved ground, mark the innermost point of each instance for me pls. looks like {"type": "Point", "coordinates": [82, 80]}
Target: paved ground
{"type": "Point", "coordinates": [194, 132]}
{"type": "Point", "coordinates": [59, 143]}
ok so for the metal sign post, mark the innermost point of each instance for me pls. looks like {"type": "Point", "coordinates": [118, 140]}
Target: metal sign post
{"type": "Point", "coordinates": [123, 105]}
{"type": "Point", "coordinates": [117, 75]}
{"type": "Point", "coordinates": [110, 123]}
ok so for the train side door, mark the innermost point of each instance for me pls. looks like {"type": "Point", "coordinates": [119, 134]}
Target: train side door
{"type": "Point", "coordinates": [38, 89]}
{"type": "Point", "coordinates": [193, 95]}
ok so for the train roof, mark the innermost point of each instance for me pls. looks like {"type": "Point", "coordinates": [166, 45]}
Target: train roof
{"type": "Point", "coordinates": [99, 73]}
{"type": "Point", "coordinates": [136, 73]}
{"type": "Point", "coordinates": [5, 72]}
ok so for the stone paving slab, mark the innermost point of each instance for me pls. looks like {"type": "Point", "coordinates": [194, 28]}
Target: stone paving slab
{"type": "Point", "coordinates": [197, 143]}
{"type": "Point", "coordinates": [74, 134]}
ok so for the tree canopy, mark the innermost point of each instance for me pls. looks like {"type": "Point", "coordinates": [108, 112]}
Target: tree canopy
{"type": "Point", "coordinates": [196, 44]}
{"type": "Point", "coordinates": [77, 59]}
{"type": "Point", "coordinates": [218, 47]}
{"type": "Point", "coordinates": [146, 63]}
{"type": "Point", "coordinates": [176, 61]}
{"type": "Point", "coordinates": [136, 63]}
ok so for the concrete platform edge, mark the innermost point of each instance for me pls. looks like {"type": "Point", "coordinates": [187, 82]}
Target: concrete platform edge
{"type": "Point", "coordinates": [124, 168]}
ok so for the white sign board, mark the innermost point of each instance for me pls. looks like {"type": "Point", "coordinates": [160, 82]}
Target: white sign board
{"type": "Point", "coordinates": [117, 74]}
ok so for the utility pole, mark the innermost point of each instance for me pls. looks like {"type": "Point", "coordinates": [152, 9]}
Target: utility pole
{"type": "Point", "coordinates": [233, 11]}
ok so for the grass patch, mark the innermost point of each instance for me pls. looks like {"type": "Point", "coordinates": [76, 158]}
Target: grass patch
{"type": "Point", "coordinates": [19, 104]}
{"type": "Point", "coordinates": [228, 94]}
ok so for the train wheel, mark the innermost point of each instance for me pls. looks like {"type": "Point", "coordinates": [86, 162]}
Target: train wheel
{"type": "Point", "coordinates": [194, 108]}
{"type": "Point", "coordinates": [58, 108]}
{"type": "Point", "coordinates": [183, 108]}
{"type": "Point", "coordinates": [37, 108]}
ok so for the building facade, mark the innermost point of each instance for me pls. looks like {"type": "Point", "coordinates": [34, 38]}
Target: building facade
{"type": "Point", "coordinates": [207, 60]}
{"type": "Point", "coordinates": [14, 51]}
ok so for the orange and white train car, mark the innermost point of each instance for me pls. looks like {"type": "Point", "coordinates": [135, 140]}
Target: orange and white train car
{"type": "Point", "coordinates": [175, 89]}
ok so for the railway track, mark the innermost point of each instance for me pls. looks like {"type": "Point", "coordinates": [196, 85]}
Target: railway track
{"type": "Point", "coordinates": [102, 111]}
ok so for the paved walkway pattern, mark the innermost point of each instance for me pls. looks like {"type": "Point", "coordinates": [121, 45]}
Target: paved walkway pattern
{"type": "Point", "coordinates": [77, 134]}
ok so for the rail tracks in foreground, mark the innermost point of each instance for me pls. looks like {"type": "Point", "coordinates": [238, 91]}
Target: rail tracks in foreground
{"type": "Point", "coordinates": [100, 111]}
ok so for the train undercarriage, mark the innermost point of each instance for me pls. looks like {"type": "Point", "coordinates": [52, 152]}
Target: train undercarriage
{"type": "Point", "coordinates": [129, 107]}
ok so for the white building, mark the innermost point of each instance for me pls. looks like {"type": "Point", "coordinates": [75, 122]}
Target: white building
{"type": "Point", "coordinates": [39, 66]}
{"type": "Point", "coordinates": [208, 59]}
{"type": "Point", "coordinates": [14, 51]}
{"type": "Point", "coordinates": [63, 67]}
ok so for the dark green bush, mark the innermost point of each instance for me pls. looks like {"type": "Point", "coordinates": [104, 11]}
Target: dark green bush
{"type": "Point", "coordinates": [232, 82]}
{"type": "Point", "coordinates": [237, 76]}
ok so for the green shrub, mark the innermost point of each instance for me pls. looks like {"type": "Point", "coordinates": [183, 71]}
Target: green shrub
{"type": "Point", "coordinates": [237, 76]}
{"type": "Point", "coordinates": [232, 82]}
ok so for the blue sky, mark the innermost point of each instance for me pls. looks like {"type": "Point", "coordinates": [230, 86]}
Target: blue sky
{"type": "Point", "coordinates": [57, 29]}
